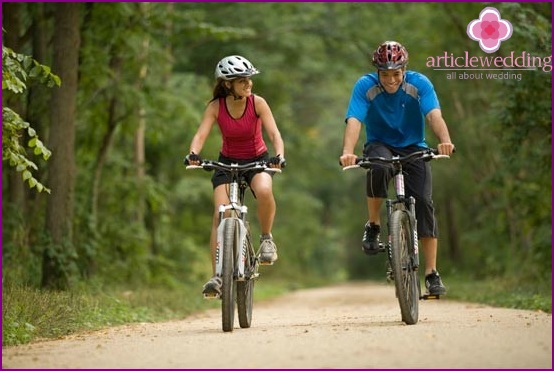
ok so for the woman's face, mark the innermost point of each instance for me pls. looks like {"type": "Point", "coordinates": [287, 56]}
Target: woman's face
{"type": "Point", "coordinates": [242, 86]}
{"type": "Point", "coordinates": [391, 80]}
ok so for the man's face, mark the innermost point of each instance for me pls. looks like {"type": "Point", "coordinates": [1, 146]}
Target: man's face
{"type": "Point", "coordinates": [391, 79]}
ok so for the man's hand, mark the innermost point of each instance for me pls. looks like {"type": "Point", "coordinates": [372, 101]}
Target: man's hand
{"type": "Point", "coordinates": [348, 159]}
{"type": "Point", "coordinates": [446, 149]}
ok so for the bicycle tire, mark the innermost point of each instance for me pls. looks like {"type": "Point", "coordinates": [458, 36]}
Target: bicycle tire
{"type": "Point", "coordinates": [245, 289]}
{"type": "Point", "coordinates": [230, 240]}
{"type": "Point", "coordinates": [404, 272]}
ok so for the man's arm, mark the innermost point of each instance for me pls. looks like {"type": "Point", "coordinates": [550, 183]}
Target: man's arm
{"type": "Point", "coordinates": [351, 136]}
{"type": "Point", "coordinates": [438, 125]}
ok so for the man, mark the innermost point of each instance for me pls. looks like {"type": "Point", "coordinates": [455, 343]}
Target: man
{"type": "Point", "coordinates": [394, 104]}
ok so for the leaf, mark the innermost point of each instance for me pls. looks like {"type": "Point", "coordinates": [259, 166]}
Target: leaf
{"type": "Point", "coordinates": [27, 175]}
{"type": "Point", "coordinates": [36, 71]}
{"type": "Point", "coordinates": [33, 142]}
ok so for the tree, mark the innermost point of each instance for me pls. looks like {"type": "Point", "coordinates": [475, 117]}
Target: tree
{"type": "Point", "coordinates": [58, 255]}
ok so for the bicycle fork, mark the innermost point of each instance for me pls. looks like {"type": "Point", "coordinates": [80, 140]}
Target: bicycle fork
{"type": "Point", "coordinates": [242, 244]}
{"type": "Point", "coordinates": [409, 204]}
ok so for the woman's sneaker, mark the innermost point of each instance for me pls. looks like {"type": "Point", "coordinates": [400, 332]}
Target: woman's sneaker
{"type": "Point", "coordinates": [212, 288]}
{"type": "Point", "coordinates": [434, 284]}
{"type": "Point", "coordinates": [268, 251]}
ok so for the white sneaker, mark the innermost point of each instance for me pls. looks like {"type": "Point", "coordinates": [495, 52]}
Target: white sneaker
{"type": "Point", "coordinates": [268, 252]}
{"type": "Point", "coordinates": [212, 288]}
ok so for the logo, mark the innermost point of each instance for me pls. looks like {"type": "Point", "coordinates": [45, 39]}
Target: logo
{"type": "Point", "coordinates": [490, 30]}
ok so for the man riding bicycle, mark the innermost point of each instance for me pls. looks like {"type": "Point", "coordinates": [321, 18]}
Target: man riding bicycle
{"type": "Point", "coordinates": [394, 104]}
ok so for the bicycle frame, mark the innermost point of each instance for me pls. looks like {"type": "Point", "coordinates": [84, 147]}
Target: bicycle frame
{"type": "Point", "coordinates": [236, 261]}
{"type": "Point", "coordinates": [237, 188]}
{"type": "Point", "coordinates": [402, 254]}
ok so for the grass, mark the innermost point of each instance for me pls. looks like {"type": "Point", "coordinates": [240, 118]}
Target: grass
{"type": "Point", "coordinates": [29, 314]}
{"type": "Point", "coordinates": [502, 293]}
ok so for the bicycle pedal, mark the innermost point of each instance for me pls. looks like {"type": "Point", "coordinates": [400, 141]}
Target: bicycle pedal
{"type": "Point", "coordinates": [428, 296]}
{"type": "Point", "coordinates": [266, 263]}
{"type": "Point", "coordinates": [211, 296]}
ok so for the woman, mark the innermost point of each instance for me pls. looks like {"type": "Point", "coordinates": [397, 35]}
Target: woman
{"type": "Point", "coordinates": [240, 116]}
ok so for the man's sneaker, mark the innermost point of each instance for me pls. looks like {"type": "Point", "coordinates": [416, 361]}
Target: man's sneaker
{"type": "Point", "coordinates": [434, 284]}
{"type": "Point", "coordinates": [268, 251]}
{"type": "Point", "coordinates": [370, 242]}
{"type": "Point", "coordinates": [212, 288]}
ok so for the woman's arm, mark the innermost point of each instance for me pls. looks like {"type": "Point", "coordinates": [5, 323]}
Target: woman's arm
{"type": "Point", "coordinates": [208, 119]}
{"type": "Point", "coordinates": [270, 126]}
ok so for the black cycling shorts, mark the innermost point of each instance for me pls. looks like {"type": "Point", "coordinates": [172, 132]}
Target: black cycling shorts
{"type": "Point", "coordinates": [221, 177]}
{"type": "Point", "coordinates": [418, 183]}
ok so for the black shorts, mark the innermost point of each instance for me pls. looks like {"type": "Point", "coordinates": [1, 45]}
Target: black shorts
{"type": "Point", "coordinates": [221, 177]}
{"type": "Point", "coordinates": [418, 182]}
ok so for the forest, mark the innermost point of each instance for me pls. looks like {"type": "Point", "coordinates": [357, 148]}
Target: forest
{"type": "Point", "coordinates": [101, 100]}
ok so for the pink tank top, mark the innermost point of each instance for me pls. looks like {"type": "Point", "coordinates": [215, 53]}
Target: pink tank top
{"type": "Point", "coordinates": [242, 138]}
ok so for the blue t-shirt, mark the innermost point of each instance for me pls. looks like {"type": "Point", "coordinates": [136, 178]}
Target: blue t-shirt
{"type": "Point", "coordinates": [395, 119]}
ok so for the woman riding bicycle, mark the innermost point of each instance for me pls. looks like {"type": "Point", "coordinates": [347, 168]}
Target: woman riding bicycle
{"type": "Point", "coordinates": [393, 104]}
{"type": "Point", "coordinates": [240, 115]}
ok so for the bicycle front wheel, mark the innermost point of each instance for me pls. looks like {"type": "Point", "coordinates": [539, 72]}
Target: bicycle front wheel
{"type": "Point", "coordinates": [228, 292]}
{"type": "Point", "coordinates": [404, 270]}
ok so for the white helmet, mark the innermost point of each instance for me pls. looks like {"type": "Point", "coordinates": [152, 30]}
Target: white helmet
{"type": "Point", "coordinates": [234, 66]}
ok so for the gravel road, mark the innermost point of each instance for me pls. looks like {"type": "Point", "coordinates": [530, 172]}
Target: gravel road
{"type": "Point", "coordinates": [345, 326]}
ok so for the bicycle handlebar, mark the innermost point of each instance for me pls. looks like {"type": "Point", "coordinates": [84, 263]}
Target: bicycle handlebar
{"type": "Point", "coordinates": [216, 165]}
{"type": "Point", "coordinates": [426, 155]}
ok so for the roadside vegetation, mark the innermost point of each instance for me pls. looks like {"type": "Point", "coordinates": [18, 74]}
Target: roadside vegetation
{"type": "Point", "coordinates": [102, 225]}
{"type": "Point", "coordinates": [31, 314]}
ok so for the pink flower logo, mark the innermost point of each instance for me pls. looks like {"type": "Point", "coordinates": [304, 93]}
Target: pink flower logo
{"type": "Point", "coordinates": [490, 30]}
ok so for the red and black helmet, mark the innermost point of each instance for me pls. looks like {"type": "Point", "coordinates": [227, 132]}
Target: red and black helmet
{"type": "Point", "coordinates": [390, 55]}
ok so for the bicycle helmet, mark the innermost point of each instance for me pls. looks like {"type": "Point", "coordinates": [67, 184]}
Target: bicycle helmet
{"type": "Point", "coordinates": [234, 66]}
{"type": "Point", "coordinates": [390, 55]}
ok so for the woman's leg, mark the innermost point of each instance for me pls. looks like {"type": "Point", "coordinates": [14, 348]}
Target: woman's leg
{"type": "Point", "coordinates": [262, 186]}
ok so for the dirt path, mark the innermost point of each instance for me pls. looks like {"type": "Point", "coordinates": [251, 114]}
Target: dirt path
{"type": "Point", "coordinates": [345, 326]}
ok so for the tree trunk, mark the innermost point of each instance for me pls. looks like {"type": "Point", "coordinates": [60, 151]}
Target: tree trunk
{"type": "Point", "coordinates": [57, 257]}
{"type": "Point", "coordinates": [37, 104]}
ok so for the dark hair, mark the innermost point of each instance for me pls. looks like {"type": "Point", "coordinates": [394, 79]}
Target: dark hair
{"type": "Point", "coordinates": [220, 90]}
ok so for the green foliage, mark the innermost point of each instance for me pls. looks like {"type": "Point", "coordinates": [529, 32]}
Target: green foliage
{"type": "Point", "coordinates": [17, 69]}
{"type": "Point", "coordinates": [504, 292]}
{"type": "Point", "coordinates": [152, 64]}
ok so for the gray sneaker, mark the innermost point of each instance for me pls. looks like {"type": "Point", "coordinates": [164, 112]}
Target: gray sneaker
{"type": "Point", "coordinates": [268, 251]}
{"type": "Point", "coordinates": [212, 288]}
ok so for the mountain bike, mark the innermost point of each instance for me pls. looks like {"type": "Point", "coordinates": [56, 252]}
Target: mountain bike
{"type": "Point", "coordinates": [402, 242]}
{"type": "Point", "coordinates": [236, 261]}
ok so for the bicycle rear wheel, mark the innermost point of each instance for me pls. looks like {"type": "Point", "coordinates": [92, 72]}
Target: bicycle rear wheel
{"type": "Point", "coordinates": [404, 271]}
{"type": "Point", "coordinates": [228, 292]}
{"type": "Point", "coordinates": [245, 289]}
